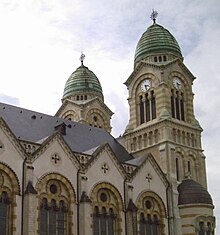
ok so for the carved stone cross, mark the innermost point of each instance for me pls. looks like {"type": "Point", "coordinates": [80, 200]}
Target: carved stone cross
{"type": "Point", "coordinates": [149, 177]}
{"type": "Point", "coordinates": [105, 168]}
{"type": "Point", "coordinates": [55, 158]}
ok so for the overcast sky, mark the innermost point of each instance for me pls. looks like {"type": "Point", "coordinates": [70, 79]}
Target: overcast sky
{"type": "Point", "coordinates": [41, 42]}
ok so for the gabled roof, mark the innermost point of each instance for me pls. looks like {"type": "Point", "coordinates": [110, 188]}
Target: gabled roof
{"type": "Point", "coordinates": [139, 162]}
{"type": "Point", "coordinates": [83, 103]}
{"type": "Point", "coordinates": [159, 66]}
{"type": "Point", "coordinates": [107, 147]}
{"type": "Point", "coordinates": [33, 126]}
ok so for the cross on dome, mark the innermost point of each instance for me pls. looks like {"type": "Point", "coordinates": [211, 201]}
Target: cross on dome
{"type": "Point", "coordinates": [154, 15]}
{"type": "Point", "coordinates": [82, 58]}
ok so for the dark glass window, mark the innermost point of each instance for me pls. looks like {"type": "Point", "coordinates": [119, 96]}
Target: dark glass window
{"type": "Point", "coordinates": [201, 228]}
{"type": "Point", "coordinates": [177, 169]}
{"type": "Point", "coordinates": [111, 222]}
{"type": "Point", "coordinates": [155, 225]}
{"type": "Point", "coordinates": [155, 59]}
{"type": "Point", "coordinates": [148, 225]}
{"type": "Point", "coordinates": [141, 110]}
{"type": "Point", "coordinates": [52, 218]}
{"type": "Point", "coordinates": [153, 105]}
{"type": "Point", "coordinates": [43, 217]}
{"type": "Point", "coordinates": [142, 224]}
{"type": "Point", "coordinates": [182, 108]}
{"type": "Point", "coordinates": [147, 107]}
{"type": "Point", "coordinates": [61, 219]}
{"type": "Point", "coordinates": [160, 59]}
{"type": "Point", "coordinates": [4, 213]}
{"type": "Point", "coordinates": [188, 166]}
{"type": "Point", "coordinates": [172, 105]}
{"type": "Point", "coordinates": [103, 222]}
{"type": "Point", "coordinates": [96, 221]}
{"type": "Point", "coordinates": [177, 106]}
{"type": "Point", "coordinates": [208, 229]}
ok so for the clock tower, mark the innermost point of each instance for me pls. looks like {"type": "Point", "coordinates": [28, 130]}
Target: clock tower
{"type": "Point", "coordinates": [162, 119]}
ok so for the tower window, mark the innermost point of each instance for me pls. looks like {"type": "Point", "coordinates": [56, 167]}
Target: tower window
{"type": "Point", "coordinates": [77, 97]}
{"type": "Point", "coordinates": [147, 107]}
{"type": "Point", "coordinates": [177, 105]}
{"type": "Point", "coordinates": [155, 59]}
{"type": "Point", "coordinates": [189, 167]}
{"type": "Point", "coordinates": [141, 110]}
{"type": "Point", "coordinates": [177, 169]}
{"type": "Point", "coordinates": [164, 58]}
{"type": "Point", "coordinates": [95, 118]}
{"type": "Point", "coordinates": [160, 59]}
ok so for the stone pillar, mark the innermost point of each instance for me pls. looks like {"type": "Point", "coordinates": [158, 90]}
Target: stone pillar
{"type": "Point", "coordinates": [85, 215]}
{"type": "Point", "coordinates": [30, 208]}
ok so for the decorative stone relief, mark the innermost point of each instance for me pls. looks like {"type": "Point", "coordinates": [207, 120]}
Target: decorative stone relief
{"type": "Point", "coordinates": [105, 168]}
{"type": "Point", "coordinates": [1, 147]}
{"type": "Point", "coordinates": [56, 159]}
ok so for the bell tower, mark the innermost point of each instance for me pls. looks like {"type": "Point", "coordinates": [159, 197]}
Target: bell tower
{"type": "Point", "coordinates": [83, 100]}
{"type": "Point", "coordinates": [162, 119]}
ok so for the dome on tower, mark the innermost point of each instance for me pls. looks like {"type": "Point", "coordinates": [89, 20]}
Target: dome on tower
{"type": "Point", "coordinates": [191, 192]}
{"type": "Point", "coordinates": [156, 40]}
{"type": "Point", "coordinates": [82, 81]}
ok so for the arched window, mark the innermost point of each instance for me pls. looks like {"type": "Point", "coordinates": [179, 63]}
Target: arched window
{"type": "Point", "coordinates": [96, 221]}
{"type": "Point", "coordinates": [141, 110]}
{"type": "Point", "coordinates": [151, 212]}
{"type": "Point", "coordinates": [55, 203]}
{"type": "Point", "coordinates": [52, 218]}
{"type": "Point", "coordinates": [177, 170]}
{"type": "Point", "coordinates": [106, 211]}
{"type": "Point", "coordinates": [111, 222]}
{"type": "Point", "coordinates": [147, 107]}
{"type": "Point", "coordinates": [177, 105]}
{"type": "Point", "coordinates": [61, 218]}
{"type": "Point", "coordinates": [9, 188]}
{"type": "Point", "coordinates": [201, 228]}
{"type": "Point", "coordinates": [153, 105]}
{"type": "Point", "coordinates": [4, 210]}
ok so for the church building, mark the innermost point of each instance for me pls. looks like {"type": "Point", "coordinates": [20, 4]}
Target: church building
{"type": "Point", "coordinates": [67, 175]}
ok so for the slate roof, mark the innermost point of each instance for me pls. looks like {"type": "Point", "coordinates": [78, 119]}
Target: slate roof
{"type": "Point", "coordinates": [34, 127]}
{"type": "Point", "coordinates": [191, 192]}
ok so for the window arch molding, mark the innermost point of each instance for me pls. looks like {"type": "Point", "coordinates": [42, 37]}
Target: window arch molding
{"type": "Point", "coordinates": [9, 188]}
{"type": "Point", "coordinates": [96, 117]}
{"type": "Point", "coordinates": [151, 213]}
{"type": "Point", "coordinates": [179, 163]}
{"type": "Point", "coordinates": [70, 115]}
{"type": "Point", "coordinates": [56, 200]}
{"type": "Point", "coordinates": [139, 80]}
{"type": "Point", "coordinates": [186, 85]}
{"type": "Point", "coordinates": [106, 209]}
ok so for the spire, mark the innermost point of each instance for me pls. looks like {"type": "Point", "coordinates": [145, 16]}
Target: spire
{"type": "Point", "coordinates": [154, 15]}
{"type": "Point", "coordinates": [82, 57]}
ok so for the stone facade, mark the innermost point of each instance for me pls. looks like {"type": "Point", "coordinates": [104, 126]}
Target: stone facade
{"type": "Point", "coordinates": [66, 175]}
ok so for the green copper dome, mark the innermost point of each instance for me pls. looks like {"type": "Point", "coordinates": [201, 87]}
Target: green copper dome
{"type": "Point", "coordinates": [156, 39]}
{"type": "Point", "coordinates": [82, 81]}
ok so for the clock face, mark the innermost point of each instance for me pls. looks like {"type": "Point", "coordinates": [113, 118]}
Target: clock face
{"type": "Point", "coordinates": [177, 83]}
{"type": "Point", "coordinates": [145, 85]}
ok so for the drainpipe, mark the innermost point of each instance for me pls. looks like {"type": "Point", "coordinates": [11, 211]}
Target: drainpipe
{"type": "Point", "coordinates": [22, 195]}
{"type": "Point", "coordinates": [168, 210]}
{"type": "Point", "coordinates": [125, 204]}
{"type": "Point", "coordinates": [77, 201]}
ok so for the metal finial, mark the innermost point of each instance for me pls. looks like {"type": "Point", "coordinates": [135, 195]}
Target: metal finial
{"type": "Point", "coordinates": [82, 57]}
{"type": "Point", "coordinates": [154, 15]}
